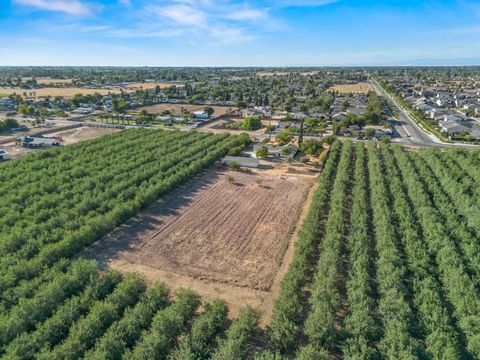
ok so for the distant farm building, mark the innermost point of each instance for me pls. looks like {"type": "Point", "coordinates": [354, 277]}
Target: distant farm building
{"type": "Point", "coordinates": [36, 142]}
{"type": "Point", "coordinates": [83, 110]}
{"type": "Point", "coordinates": [242, 161]}
{"type": "Point", "coordinates": [200, 115]}
{"type": "Point", "coordinates": [3, 155]}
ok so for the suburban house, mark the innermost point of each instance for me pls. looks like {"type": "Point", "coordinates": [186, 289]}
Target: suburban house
{"type": "Point", "coordinates": [6, 105]}
{"type": "Point", "coordinates": [3, 155]}
{"type": "Point", "coordinates": [453, 127]}
{"type": "Point", "coordinates": [200, 115]}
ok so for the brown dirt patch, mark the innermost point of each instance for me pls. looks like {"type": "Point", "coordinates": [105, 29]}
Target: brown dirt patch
{"type": "Point", "coordinates": [214, 230]}
{"type": "Point", "coordinates": [67, 92]}
{"type": "Point", "coordinates": [149, 86]}
{"type": "Point", "coordinates": [177, 108]}
{"type": "Point", "coordinates": [360, 88]}
{"type": "Point", "coordinates": [223, 240]}
{"type": "Point", "coordinates": [70, 91]}
{"type": "Point", "coordinates": [74, 136]}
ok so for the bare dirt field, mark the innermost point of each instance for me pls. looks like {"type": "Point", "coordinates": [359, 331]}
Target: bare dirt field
{"type": "Point", "coordinates": [221, 239]}
{"type": "Point", "coordinates": [360, 88]}
{"type": "Point", "coordinates": [177, 108]}
{"type": "Point", "coordinates": [149, 86]}
{"type": "Point", "coordinates": [9, 136]}
{"type": "Point", "coordinates": [49, 81]}
{"type": "Point", "coordinates": [15, 151]}
{"type": "Point", "coordinates": [69, 92]}
{"type": "Point", "coordinates": [71, 136]}
{"type": "Point", "coordinates": [74, 136]}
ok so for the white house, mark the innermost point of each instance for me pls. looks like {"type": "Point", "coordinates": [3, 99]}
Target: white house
{"type": "Point", "coordinates": [200, 115]}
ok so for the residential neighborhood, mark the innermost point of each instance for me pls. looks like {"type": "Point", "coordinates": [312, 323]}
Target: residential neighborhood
{"type": "Point", "coordinates": [446, 100]}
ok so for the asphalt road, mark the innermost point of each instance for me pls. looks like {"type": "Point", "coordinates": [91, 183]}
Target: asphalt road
{"type": "Point", "coordinates": [408, 131]}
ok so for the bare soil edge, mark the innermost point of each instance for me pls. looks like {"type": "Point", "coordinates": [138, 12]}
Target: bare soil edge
{"type": "Point", "coordinates": [287, 259]}
{"type": "Point", "coordinates": [235, 296]}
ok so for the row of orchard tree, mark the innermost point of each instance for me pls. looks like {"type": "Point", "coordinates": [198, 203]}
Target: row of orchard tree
{"type": "Point", "coordinates": [386, 264]}
{"type": "Point", "coordinates": [55, 203]}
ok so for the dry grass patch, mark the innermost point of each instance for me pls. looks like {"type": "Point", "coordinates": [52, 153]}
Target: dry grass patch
{"type": "Point", "coordinates": [360, 88]}
{"type": "Point", "coordinates": [177, 108]}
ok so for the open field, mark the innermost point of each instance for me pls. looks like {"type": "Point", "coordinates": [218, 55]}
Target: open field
{"type": "Point", "coordinates": [69, 92]}
{"type": "Point", "coordinates": [9, 136]}
{"type": "Point", "coordinates": [177, 108]}
{"type": "Point", "coordinates": [49, 81]}
{"type": "Point", "coordinates": [360, 88]}
{"type": "Point", "coordinates": [81, 134]}
{"type": "Point", "coordinates": [214, 230]}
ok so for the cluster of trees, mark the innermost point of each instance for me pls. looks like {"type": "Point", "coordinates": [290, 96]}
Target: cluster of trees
{"type": "Point", "coordinates": [203, 333]}
{"type": "Point", "coordinates": [125, 332]}
{"type": "Point", "coordinates": [383, 265]}
{"type": "Point", "coordinates": [251, 123]}
{"type": "Point", "coordinates": [396, 267]}
{"type": "Point", "coordinates": [8, 124]}
{"type": "Point", "coordinates": [30, 311]}
{"type": "Point", "coordinates": [236, 344]}
{"type": "Point", "coordinates": [459, 286]}
{"type": "Point", "coordinates": [84, 333]}
{"type": "Point", "coordinates": [286, 323]}
{"type": "Point", "coordinates": [361, 326]}
{"type": "Point", "coordinates": [375, 114]}
{"type": "Point", "coordinates": [115, 317]}
{"type": "Point", "coordinates": [56, 328]}
{"type": "Point", "coordinates": [325, 301]}
{"type": "Point", "coordinates": [56, 308]}
{"type": "Point", "coordinates": [81, 192]}
{"type": "Point", "coordinates": [311, 147]}
{"type": "Point", "coordinates": [441, 338]}
{"type": "Point", "coordinates": [452, 215]}
{"type": "Point", "coordinates": [284, 137]}
{"type": "Point", "coordinates": [393, 305]}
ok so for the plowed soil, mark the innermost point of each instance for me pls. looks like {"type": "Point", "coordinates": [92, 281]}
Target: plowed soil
{"type": "Point", "coordinates": [231, 233]}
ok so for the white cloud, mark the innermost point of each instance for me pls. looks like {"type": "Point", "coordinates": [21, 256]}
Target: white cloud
{"type": "Point", "coordinates": [205, 19]}
{"type": "Point", "coordinates": [125, 2]}
{"type": "Point", "coordinates": [73, 7]}
{"type": "Point", "coordinates": [248, 14]}
{"type": "Point", "coordinates": [183, 14]}
{"type": "Point", "coordinates": [293, 3]}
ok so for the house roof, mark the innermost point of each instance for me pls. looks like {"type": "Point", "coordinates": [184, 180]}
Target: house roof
{"type": "Point", "coordinates": [243, 161]}
{"type": "Point", "coordinates": [475, 134]}
{"type": "Point", "coordinates": [453, 127]}
{"type": "Point", "coordinates": [38, 140]}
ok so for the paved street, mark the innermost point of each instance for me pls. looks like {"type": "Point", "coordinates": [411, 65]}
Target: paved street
{"type": "Point", "coordinates": [407, 129]}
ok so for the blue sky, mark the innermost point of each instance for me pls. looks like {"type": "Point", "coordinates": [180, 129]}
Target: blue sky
{"type": "Point", "coordinates": [239, 32]}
